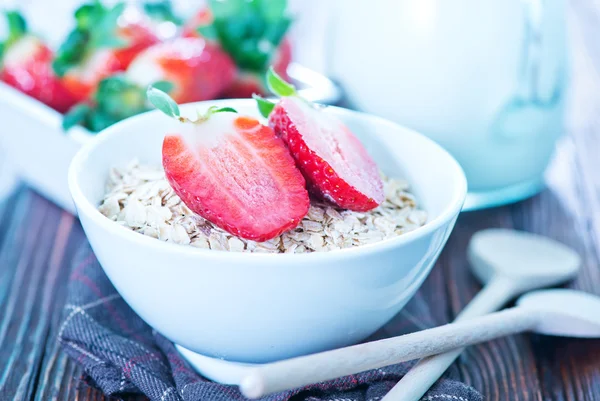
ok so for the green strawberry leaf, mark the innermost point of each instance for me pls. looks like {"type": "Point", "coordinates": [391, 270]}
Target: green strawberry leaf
{"type": "Point", "coordinates": [108, 42]}
{"type": "Point", "coordinates": [211, 110]}
{"type": "Point", "coordinates": [265, 107]}
{"type": "Point", "coordinates": [116, 99]}
{"type": "Point", "coordinates": [278, 86]}
{"type": "Point", "coordinates": [88, 15]}
{"type": "Point", "coordinates": [104, 32]}
{"type": "Point", "coordinates": [275, 32]}
{"type": "Point", "coordinates": [17, 26]}
{"type": "Point", "coordinates": [76, 116]}
{"type": "Point", "coordinates": [227, 8]}
{"type": "Point", "coordinates": [208, 32]}
{"type": "Point", "coordinates": [273, 10]}
{"type": "Point", "coordinates": [217, 109]}
{"type": "Point", "coordinates": [161, 11]}
{"type": "Point", "coordinates": [99, 120]}
{"type": "Point", "coordinates": [71, 51]}
{"type": "Point", "coordinates": [119, 98]}
{"type": "Point", "coordinates": [250, 31]}
{"type": "Point", "coordinates": [96, 27]}
{"type": "Point", "coordinates": [163, 102]}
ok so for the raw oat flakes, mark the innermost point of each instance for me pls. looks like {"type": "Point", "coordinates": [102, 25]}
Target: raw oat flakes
{"type": "Point", "coordinates": [140, 198]}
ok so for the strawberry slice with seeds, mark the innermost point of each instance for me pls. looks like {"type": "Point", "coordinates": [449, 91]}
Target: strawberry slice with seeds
{"type": "Point", "coordinates": [199, 70]}
{"type": "Point", "coordinates": [334, 162]}
{"type": "Point", "coordinates": [233, 171]}
{"type": "Point", "coordinates": [27, 66]}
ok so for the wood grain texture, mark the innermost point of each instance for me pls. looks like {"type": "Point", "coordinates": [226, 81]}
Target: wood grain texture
{"type": "Point", "coordinates": [38, 241]}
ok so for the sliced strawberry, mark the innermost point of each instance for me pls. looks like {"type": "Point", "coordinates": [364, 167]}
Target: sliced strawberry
{"type": "Point", "coordinates": [198, 70]}
{"type": "Point", "coordinates": [103, 42]}
{"type": "Point", "coordinates": [335, 164]}
{"type": "Point", "coordinates": [233, 171]}
{"type": "Point", "coordinates": [27, 66]}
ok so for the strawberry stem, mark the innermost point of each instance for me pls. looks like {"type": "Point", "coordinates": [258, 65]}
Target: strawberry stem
{"type": "Point", "coordinates": [168, 106]}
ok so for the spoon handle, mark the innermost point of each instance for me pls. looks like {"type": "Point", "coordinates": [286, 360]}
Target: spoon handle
{"type": "Point", "coordinates": [304, 370]}
{"type": "Point", "coordinates": [425, 373]}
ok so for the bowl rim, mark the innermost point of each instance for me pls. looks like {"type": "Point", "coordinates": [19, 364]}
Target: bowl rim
{"type": "Point", "coordinates": [88, 209]}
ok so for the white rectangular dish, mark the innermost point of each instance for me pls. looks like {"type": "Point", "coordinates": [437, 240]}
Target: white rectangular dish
{"type": "Point", "coordinates": [39, 150]}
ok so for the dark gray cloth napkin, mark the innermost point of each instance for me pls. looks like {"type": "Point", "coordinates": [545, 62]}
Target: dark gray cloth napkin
{"type": "Point", "coordinates": [121, 354]}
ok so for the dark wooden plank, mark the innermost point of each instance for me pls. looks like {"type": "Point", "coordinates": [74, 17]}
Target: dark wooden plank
{"type": "Point", "coordinates": [23, 323]}
{"type": "Point", "coordinates": [58, 374]}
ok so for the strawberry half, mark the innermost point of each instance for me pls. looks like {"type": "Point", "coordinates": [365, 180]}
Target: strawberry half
{"type": "Point", "coordinates": [252, 32]}
{"type": "Point", "coordinates": [198, 70]}
{"type": "Point", "coordinates": [27, 66]}
{"type": "Point", "coordinates": [102, 43]}
{"type": "Point", "coordinates": [233, 171]}
{"type": "Point", "coordinates": [335, 164]}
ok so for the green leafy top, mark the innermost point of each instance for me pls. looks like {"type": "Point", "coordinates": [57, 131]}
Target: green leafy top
{"type": "Point", "coordinates": [161, 11]}
{"type": "Point", "coordinates": [115, 99]}
{"type": "Point", "coordinates": [163, 102]}
{"type": "Point", "coordinates": [250, 31]}
{"type": "Point", "coordinates": [279, 87]}
{"type": "Point", "coordinates": [96, 27]}
{"type": "Point", "coordinates": [17, 28]}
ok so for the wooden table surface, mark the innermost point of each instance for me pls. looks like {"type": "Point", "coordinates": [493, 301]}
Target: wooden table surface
{"type": "Point", "coordinates": [38, 241]}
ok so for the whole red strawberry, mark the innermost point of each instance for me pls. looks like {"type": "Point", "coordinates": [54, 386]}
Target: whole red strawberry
{"type": "Point", "coordinates": [248, 83]}
{"type": "Point", "coordinates": [139, 36]}
{"type": "Point", "coordinates": [256, 40]}
{"type": "Point", "coordinates": [233, 171]}
{"type": "Point", "coordinates": [103, 42]}
{"type": "Point", "coordinates": [335, 164]}
{"type": "Point", "coordinates": [27, 66]}
{"type": "Point", "coordinates": [199, 70]}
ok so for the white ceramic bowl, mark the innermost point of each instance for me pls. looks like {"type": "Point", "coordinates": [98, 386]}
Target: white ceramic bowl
{"type": "Point", "coordinates": [263, 307]}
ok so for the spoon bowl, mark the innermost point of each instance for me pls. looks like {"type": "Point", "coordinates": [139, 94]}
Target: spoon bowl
{"type": "Point", "coordinates": [528, 260]}
{"type": "Point", "coordinates": [565, 313]}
